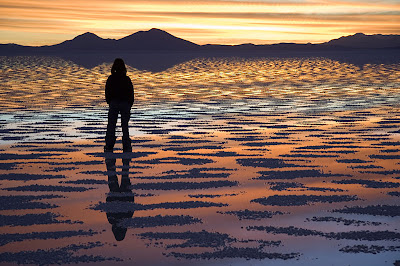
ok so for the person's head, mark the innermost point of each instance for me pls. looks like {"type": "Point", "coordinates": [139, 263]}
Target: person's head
{"type": "Point", "coordinates": [118, 66]}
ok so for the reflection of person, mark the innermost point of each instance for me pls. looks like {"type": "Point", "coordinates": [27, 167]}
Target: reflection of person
{"type": "Point", "coordinates": [120, 198]}
{"type": "Point", "coordinates": [120, 97]}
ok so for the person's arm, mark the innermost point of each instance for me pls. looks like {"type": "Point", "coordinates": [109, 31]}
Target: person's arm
{"type": "Point", "coordinates": [131, 92]}
{"type": "Point", "coordinates": [108, 91]}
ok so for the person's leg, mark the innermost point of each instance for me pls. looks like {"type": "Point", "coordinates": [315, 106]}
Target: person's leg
{"type": "Point", "coordinates": [112, 175]}
{"type": "Point", "coordinates": [112, 123]}
{"type": "Point", "coordinates": [125, 181]}
{"type": "Point", "coordinates": [125, 109]}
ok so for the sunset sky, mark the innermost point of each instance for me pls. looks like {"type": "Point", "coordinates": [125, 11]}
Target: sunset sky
{"type": "Point", "coordinates": [40, 22]}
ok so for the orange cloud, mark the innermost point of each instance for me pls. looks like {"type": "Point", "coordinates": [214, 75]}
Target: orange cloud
{"type": "Point", "coordinates": [210, 21]}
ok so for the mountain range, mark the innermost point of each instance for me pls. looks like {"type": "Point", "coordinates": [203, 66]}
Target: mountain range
{"type": "Point", "coordinates": [159, 40]}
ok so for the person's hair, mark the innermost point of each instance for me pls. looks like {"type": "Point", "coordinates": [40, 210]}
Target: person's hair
{"type": "Point", "coordinates": [118, 66]}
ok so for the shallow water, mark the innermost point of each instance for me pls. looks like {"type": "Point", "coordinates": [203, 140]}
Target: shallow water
{"type": "Point", "coordinates": [236, 160]}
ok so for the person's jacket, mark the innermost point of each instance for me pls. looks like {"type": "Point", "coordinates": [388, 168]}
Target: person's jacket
{"type": "Point", "coordinates": [119, 88]}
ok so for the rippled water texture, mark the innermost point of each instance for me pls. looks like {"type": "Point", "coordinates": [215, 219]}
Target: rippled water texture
{"type": "Point", "coordinates": [236, 161]}
{"type": "Point", "coordinates": [43, 82]}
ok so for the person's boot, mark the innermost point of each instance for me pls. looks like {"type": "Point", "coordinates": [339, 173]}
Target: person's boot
{"type": "Point", "coordinates": [127, 146]}
{"type": "Point", "coordinates": [108, 148]}
{"type": "Point", "coordinates": [110, 142]}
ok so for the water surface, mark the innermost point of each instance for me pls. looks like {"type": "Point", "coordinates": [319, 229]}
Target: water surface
{"type": "Point", "coordinates": [236, 160]}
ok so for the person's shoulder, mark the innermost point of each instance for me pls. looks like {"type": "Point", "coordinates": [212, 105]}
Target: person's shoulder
{"type": "Point", "coordinates": [128, 79]}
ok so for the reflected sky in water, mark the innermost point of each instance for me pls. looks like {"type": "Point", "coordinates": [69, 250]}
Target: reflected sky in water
{"type": "Point", "coordinates": [290, 161]}
{"type": "Point", "coordinates": [47, 82]}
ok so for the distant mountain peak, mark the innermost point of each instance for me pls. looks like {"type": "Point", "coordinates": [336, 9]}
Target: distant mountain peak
{"type": "Point", "coordinates": [152, 32]}
{"type": "Point", "coordinates": [86, 36]}
{"type": "Point", "coordinates": [155, 30]}
{"type": "Point", "coordinates": [361, 40]}
{"type": "Point", "coordinates": [154, 39]}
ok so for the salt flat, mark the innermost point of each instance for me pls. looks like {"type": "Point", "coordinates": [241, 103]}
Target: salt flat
{"type": "Point", "coordinates": [287, 161]}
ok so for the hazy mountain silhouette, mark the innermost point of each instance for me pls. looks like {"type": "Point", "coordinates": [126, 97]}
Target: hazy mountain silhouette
{"type": "Point", "coordinates": [360, 40]}
{"type": "Point", "coordinates": [159, 40]}
{"type": "Point", "coordinates": [86, 41]}
{"type": "Point", "coordinates": [154, 39]}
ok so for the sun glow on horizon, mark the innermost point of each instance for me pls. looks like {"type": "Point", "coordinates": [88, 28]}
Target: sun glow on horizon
{"type": "Point", "coordinates": [214, 21]}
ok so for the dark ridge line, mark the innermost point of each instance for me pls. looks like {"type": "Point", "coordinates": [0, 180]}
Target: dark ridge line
{"type": "Point", "coordinates": [342, 220]}
{"type": "Point", "coordinates": [352, 235]}
{"type": "Point", "coordinates": [235, 252]}
{"type": "Point", "coordinates": [159, 220]}
{"type": "Point", "coordinates": [374, 210]}
{"type": "Point", "coordinates": [33, 219]}
{"type": "Point", "coordinates": [299, 200]}
{"type": "Point", "coordinates": [28, 177]}
{"type": "Point", "coordinates": [252, 215]}
{"type": "Point", "coordinates": [368, 183]}
{"type": "Point", "coordinates": [48, 188]}
{"type": "Point", "coordinates": [17, 237]}
{"type": "Point", "coordinates": [118, 206]}
{"type": "Point", "coordinates": [184, 185]}
{"type": "Point", "coordinates": [64, 255]}
{"type": "Point", "coordinates": [373, 249]}
{"type": "Point", "coordinates": [24, 202]}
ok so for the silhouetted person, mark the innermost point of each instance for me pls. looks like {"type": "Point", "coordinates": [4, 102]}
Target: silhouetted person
{"type": "Point", "coordinates": [120, 97]}
{"type": "Point", "coordinates": [119, 195]}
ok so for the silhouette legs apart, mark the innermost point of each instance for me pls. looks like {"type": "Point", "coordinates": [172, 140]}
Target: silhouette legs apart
{"type": "Point", "coordinates": [113, 111]}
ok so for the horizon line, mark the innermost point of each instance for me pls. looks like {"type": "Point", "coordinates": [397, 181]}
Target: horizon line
{"type": "Point", "coordinates": [248, 43]}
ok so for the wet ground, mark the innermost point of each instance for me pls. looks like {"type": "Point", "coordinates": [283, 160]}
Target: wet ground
{"type": "Point", "coordinates": [235, 161]}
